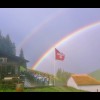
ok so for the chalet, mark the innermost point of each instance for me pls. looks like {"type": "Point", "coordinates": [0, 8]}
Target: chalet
{"type": "Point", "coordinates": [84, 82]}
{"type": "Point", "coordinates": [10, 66]}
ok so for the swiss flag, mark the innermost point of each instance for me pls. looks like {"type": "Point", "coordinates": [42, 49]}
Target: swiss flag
{"type": "Point", "coordinates": [59, 55]}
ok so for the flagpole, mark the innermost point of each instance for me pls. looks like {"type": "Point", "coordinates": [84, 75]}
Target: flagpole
{"type": "Point", "coordinates": [54, 67]}
{"type": "Point", "coordinates": [58, 56]}
{"type": "Point", "coordinates": [62, 67]}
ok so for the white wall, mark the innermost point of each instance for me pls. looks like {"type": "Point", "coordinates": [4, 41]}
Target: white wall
{"type": "Point", "coordinates": [72, 83]}
{"type": "Point", "coordinates": [91, 88]}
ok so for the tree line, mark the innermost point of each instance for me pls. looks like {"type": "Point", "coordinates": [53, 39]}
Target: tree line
{"type": "Point", "coordinates": [63, 75]}
{"type": "Point", "coordinates": [8, 48]}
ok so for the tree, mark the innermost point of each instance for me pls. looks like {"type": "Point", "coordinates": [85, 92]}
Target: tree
{"type": "Point", "coordinates": [21, 55]}
{"type": "Point", "coordinates": [13, 49]}
{"type": "Point", "coordinates": [0, 35]}
{"type": "Point", "coordinates": [59, 73]}
{"type": "Point", "coordinates": [63, 75]}
{"type": "Point", "coordinates": [6, 45]}
{"type": "Point", "coordinates": [0, 41]}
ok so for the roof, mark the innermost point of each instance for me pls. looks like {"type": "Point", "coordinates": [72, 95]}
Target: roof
{"type": "Point", "coordinates": [85, 80]}
{"type": "Point", "coordinates": [12, 57]}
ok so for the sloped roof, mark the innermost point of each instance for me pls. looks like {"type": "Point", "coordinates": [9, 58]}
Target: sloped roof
{"type": "Point", "coordinates": [12, 57]}
{"type": "Point", "coordinates": [85, 80]}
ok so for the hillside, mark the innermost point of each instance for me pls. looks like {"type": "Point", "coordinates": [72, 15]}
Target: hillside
{"type": "Point", "coordinates": [96, 74]}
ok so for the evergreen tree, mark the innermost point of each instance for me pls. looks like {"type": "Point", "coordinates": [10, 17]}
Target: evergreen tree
{"type": "Point", "coordinates": [13, 49]}
{"type": "Point", "coordinates": [9, 46]}
{"type": "Point", "coordinates": [21, 55]}
{"type": "Point", "coordinates": [6, 45]}
{"type": "Point", "coordinates": [0, 36]}
{"type": "Point", "coordinates": [63, 75]}
{"type": "Point", "coordinates": [59, 73]}
{"type": "Point", "coordinates": [0, 42]}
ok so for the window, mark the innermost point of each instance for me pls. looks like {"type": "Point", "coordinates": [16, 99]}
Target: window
{"type": "Point", "coordinates": [3, 60]}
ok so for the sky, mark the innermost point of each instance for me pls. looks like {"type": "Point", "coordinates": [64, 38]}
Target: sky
{"type": "Point", "coordinates": [36, 30]}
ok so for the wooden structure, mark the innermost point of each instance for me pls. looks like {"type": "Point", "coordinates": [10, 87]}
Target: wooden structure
{"type": "Point", "coordinates": [42, 75]}
{"type": "Point", "coordinates": [10, 68]}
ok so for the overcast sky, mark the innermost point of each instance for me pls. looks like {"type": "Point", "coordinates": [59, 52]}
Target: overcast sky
{"type": "Point", "coordinates": [37, 29]}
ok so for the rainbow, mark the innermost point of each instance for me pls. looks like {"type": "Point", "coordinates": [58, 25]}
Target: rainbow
{"type": "Point", "coordinates": [39, 27]}
{"type": "Point", "coordinates": [65, 39]}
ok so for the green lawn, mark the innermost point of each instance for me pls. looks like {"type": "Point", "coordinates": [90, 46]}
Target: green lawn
{"type": "Point", "coordinates": [44, 89]}
{"type": "Point", "coordinates": [53, 89]}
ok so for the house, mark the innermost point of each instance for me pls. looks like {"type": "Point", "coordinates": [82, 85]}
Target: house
{"type": "Point", "coordinates": [10, 67]}
{"type": "Point", "coordinates": [84, 82]}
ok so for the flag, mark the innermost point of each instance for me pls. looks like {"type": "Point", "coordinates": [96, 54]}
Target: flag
{"type": "Point", "coordinates": [59, 55]}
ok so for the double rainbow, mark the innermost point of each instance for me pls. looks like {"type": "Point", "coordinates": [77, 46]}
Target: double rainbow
{"type": "Point", "coordinates": [62, 41]}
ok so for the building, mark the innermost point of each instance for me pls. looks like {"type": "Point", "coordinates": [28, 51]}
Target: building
{"type": "Point", "coordinates": [10, 67]}
{"type": "Point", "coordinates": [84, 82]}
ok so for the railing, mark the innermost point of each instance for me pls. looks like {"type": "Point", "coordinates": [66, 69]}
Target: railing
{"type": "Point", "coordinates": [33, 81]}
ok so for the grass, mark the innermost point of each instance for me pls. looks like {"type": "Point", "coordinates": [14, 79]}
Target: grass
{"type": "Point", "coordinates": [53, 89]}
{"type": "Point", "coordinates": [96, 74]}
{"type": "Point", "coordinates": [6, 88]}
{"type": "Point", "coordinates": [43, 89]}
{"type": "Point", "coordinates": [58, 88]}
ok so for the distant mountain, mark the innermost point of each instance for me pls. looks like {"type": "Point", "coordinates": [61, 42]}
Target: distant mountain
{"type": "Point", "coordinates": [96, 74]}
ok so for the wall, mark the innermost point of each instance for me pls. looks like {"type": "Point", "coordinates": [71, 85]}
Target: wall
{"type": "Point", "coordinates": [72, 83]}
{"type": "Point", "coordinates": [91, 88]}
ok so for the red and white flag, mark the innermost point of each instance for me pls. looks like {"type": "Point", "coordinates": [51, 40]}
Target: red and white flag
{"type": "Point", "coordinates": [59, 55]}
